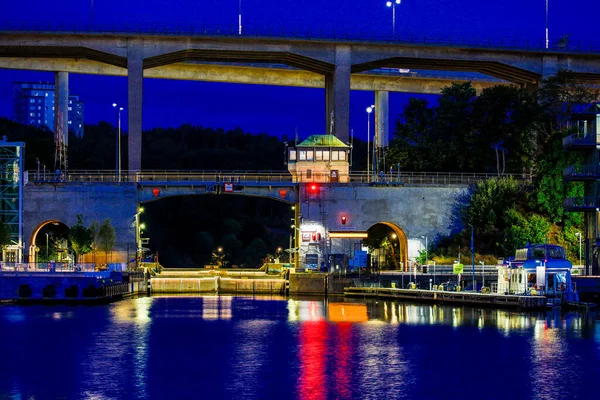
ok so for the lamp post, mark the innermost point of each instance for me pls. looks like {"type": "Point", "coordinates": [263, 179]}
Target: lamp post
{"type": "Point", "coordinates": [118, 169]}
{"type": "Point", "coordinates": [46, 246]}
{"type": "Point", "coordinates": [579, 234]}
{"type": "Point", "coordinates": [482, 274]}
{"type": "Point", "coordinates": [240, 17]}
{"type": "Point", "coordinates": [369, 111]}
{"type": "Point", "coordinates": [546, 23]}
{"type": "Point", "coordinates": [393, 5]}
{"type": "Point", "coordinates": [426, 251]}
{"type": "Point", "coordinates": [396, 263]}
{"type": "Point", "coordinates": [434, 273]}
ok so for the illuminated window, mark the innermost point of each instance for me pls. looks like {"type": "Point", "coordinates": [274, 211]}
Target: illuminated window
{"type": "Point", "coordinates": [302, 155]}
{"type": "Point", "coordinates": [309, 155]}
{"type": "Point", "coordinates": [334, 156]}
{"type": "Point", "coordinates": [326, 155]}
{"type": "Point", "coordinates": [342, 155]}
{"type": "Point", "coordinates": [292, 155]}
{"type": "Point", "coordinates": [319, 155]}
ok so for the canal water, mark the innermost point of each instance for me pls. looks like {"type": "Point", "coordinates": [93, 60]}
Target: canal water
{"type": "Point", "coordinates": [304, 348]}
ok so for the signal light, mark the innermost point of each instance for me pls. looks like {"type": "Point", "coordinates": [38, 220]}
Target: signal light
{"type": "Point", "coordinates": [344, 220]}
{"type": "Point", "coordinates": [318, 237]}
{"type": "Point", "coordinates": [314, 237]}
{"type": "Point", "coordinates": [313, 188]}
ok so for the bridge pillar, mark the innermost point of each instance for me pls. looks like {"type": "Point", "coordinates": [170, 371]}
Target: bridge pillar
{"type": "Point", "coordinates": [382, 129]}
{"type": "Point", "coordinates": [135, 85]}
{"type": "Point", "coordinates": [61, 105]}
{"type": "Point", "coordinates": [337, 95]}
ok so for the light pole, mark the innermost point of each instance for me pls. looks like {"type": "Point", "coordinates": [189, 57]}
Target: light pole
{"type": "Point", "coordinates": [118, 109]}
{"type": "Point", "coordinates": [369, 111]}
{"type": "Point", "coordinates": [579, 234]}
{"type": "Point", "coordinates": [46, 246]}
{"type": "Point", "coordinates": [546, 23]}
{"type": "Point", "coordinates": [482, 274]}
{"type": "Point", "coordinates": [434, 273]}
{"type": "Point", "coordinates": [240, 17]}
{"type": "Point", "coordinates": [393, 5]}
{"type": "Point", "coordinates": [426, 251]}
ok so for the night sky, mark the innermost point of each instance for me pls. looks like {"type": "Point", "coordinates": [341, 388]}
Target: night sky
{"type": "Point", "coordinates": [279, 110]}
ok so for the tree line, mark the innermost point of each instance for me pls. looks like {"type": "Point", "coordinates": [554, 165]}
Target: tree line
{"type": "Point", "coordinates": [504, 129]}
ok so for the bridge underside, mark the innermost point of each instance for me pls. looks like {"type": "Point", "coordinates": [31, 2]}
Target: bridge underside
{"type": "Point", "coordinates": [429, 83]}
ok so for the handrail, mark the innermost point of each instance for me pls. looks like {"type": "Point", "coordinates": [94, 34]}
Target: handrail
{"type": "Point", "coordinates": [259, 177]}
{"type": "Point", "coordinates": [342, 34]}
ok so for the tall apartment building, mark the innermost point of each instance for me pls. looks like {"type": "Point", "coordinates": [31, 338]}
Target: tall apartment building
{"type": "Point", "coordinates": [33, 104]}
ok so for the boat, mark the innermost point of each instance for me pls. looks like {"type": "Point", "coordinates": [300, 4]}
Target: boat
{"type": "Point", "coordinates": [539, 270]}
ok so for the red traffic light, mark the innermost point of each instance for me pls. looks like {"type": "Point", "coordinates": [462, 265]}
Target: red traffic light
{"type": "Point", "coordinates": [314, 237]}
{"type": "Point", "coordinates": [344, 220]}
{"type": "Point", "coordinates": [318, 237]}
{"type": "Point", "coordinates": [313, 188]}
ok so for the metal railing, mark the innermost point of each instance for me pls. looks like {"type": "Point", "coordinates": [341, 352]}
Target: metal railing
{"type": "Point", "coordinates": [341, 33]}
{"type": "Point", "coordinates": [582, 170]}
{"type": "Point", "coordinates": [588, 202]}
{"type": "Point", "coordinates": [581, 139]}
{"type": "Point", "coordinates": [261, 177]}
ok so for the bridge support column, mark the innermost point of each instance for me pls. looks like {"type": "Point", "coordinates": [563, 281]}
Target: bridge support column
{"type": "Point", "coordinates": [135, 85]}
{"type": "Point", "coordinates": [382, 130]}
{"type": "Point", "coordinates": [337, 95]}
{"type": "Point", "coordinates": [61, 105]}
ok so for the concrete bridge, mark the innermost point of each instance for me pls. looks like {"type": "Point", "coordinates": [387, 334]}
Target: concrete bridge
{"type": "Point", "coordinates": [413, 205]}
{"type": "Point", "coordinates": [337, 64]}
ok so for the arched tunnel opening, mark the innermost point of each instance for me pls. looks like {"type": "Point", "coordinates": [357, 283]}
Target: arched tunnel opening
{"type": "Point", "coordinates": [387, 248]}
{"type": "Point", "coordinates": [232, 231]}
{"type": "Point", "coordinates": [50, 242]}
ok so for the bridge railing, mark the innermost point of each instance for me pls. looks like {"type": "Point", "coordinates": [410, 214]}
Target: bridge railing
{"type": "Point", "coordinates": [562, 44]}
{"type": "Point", "coordinates": [260, 177]}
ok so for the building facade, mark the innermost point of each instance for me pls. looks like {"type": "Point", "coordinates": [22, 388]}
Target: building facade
{"type": "Point", "coordinates": [33, 104]}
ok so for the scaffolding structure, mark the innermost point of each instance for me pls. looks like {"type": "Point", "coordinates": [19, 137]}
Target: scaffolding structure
{"type": "Point", "coordinates": [11, 197]}
{"type": "Point", "coordinates": [60, 146]}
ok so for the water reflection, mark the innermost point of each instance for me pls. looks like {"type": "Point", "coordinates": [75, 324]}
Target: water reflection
{"type": "Point", "coordinates": [307, 348]}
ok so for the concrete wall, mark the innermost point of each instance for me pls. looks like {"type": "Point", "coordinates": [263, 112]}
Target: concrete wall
{"type": "Point", "coordinates": [61, 202]}
{"type": "Point", "coordinates": [417, 211]}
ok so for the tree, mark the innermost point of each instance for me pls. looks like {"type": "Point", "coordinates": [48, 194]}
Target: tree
{"type": "Point", "coordinates": [107, 237]}
{"type": "Point", "coordinates": [81, 238]}
{"type": "Point", "coordinates": [95, 229]}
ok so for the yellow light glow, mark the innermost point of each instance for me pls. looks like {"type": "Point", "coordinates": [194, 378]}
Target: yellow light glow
{"type": "Point", "coordinates": [349, 235]}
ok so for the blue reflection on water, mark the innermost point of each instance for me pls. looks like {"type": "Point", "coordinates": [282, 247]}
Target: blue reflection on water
{"type": "Point", "coordinates": [276, 348]}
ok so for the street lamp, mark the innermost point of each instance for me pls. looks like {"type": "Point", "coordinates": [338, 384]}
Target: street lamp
{"type": "Point", "coordinates": [426, 251]}
{"type": "Point", "coordinates": [369, 111]}
{"type": "Point", "coordinates": [46, 246]}
{"type": "Point", "coordinates": [579, 234]}
{"type": "Point", "coordinates": [482, 274]}
{"type": "Point", "coordinates": [546, 23]}
{"type": "Point", "coordinates": [118, 109]}
{"type": "Point", "coordinates": [393, 5]}
{"type": "Point", "coordinates": [240, 17]}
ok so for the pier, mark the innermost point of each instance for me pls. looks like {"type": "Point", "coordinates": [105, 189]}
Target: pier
{"type": "Point", "coordinates": [467, 298]}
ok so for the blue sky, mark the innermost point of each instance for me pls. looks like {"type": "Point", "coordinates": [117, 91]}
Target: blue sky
{"type": "Point", "coordinates": [279, 110]}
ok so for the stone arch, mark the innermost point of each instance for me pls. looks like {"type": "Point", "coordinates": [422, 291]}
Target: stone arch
{"type": "Point", "coordinates": [34, 234]}
{"type": "Point", "coordinates": [403, 242]}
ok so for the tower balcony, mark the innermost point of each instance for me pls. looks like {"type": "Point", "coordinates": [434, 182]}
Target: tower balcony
{"type": "Point", "coordinates": [586, 203]}
{"type": "Point", "coordinates": [582, 173]}
{"type": "Point", "coordinates": [581, 142]}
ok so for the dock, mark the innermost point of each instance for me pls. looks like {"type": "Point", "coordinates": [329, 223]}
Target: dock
{"type": "Point", "coordinates": [447, 297]}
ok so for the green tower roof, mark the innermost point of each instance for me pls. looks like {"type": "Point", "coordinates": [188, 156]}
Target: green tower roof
{"type": "Point", "coordinates": [322, 141]}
